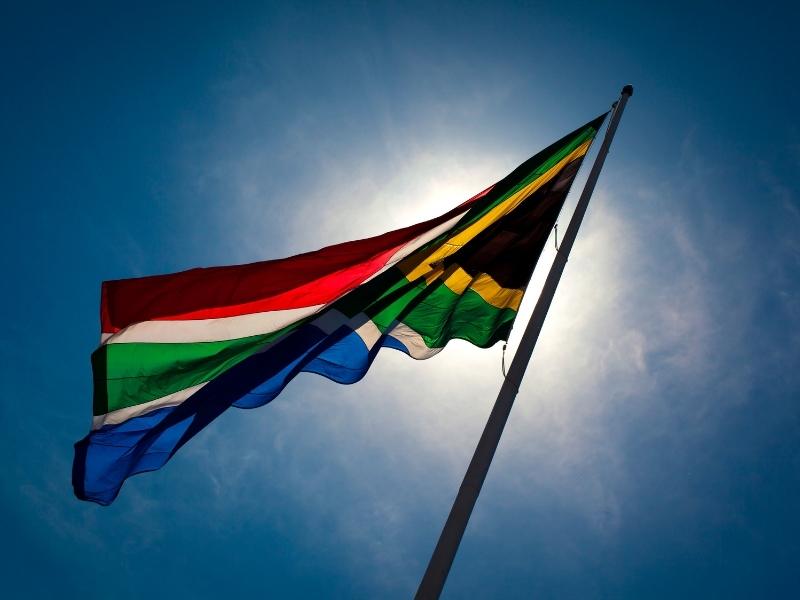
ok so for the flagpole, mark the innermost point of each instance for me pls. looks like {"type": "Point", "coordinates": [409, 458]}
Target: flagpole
{"type": "Point", "coordinates": [439, 566]}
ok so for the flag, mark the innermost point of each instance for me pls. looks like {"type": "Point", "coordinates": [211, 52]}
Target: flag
{"type": "Point", "coordinates": [177, 350]}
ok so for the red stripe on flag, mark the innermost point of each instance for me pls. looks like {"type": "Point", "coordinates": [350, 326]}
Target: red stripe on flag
{"type": "Point", "coordinates": [308, 279]}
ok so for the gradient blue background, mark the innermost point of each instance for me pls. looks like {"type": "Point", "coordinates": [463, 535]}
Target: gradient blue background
{"type": "Point", "coordinates": [654, 451]}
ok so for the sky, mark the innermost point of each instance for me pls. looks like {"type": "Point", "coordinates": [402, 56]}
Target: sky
{"type": "Point", "coordinates": [654, 448]}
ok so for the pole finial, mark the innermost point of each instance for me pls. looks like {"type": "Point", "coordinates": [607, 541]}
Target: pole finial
{"type": "Point", "coordinates": [628, 90]}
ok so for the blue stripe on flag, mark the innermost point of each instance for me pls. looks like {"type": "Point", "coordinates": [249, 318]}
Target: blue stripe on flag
{"type": "Point", "coordinates": [109, 455]}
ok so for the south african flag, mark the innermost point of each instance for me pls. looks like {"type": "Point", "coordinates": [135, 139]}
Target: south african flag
{"type": "Point", "coordinates": [177, 350]}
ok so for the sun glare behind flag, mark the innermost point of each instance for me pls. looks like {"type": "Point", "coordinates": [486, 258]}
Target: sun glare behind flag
{"type": "Point", "coordinates": [177, 350]}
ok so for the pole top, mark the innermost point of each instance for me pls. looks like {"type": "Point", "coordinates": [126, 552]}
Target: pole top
{"type": "Point", "coordinates": [628, 90]}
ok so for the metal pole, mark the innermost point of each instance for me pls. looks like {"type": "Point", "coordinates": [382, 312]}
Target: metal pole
{"type": "Point", "coordinates": [439, 566]}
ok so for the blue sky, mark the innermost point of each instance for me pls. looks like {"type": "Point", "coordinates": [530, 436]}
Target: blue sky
{"type": "Point", "coordinates": [654, 450]}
